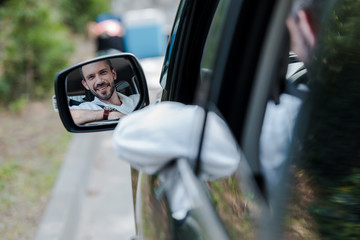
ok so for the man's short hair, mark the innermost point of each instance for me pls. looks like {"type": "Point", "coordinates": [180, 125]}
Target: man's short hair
{"type": "Point", "coordinates": [106, 60]}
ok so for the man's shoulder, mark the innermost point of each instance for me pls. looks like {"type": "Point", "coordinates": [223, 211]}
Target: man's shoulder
{"type": "Point", "coordinates": [134, 97]}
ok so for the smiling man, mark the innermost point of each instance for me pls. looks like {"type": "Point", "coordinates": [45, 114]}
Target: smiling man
{"type": "Point", "coordinates": [99, 78]}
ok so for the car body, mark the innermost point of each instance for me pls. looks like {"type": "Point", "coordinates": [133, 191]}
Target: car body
{"type": "Point", "coordinates": [228, 56]}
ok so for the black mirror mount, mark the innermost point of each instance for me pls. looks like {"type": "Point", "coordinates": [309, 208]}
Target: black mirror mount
{"type": "Point", "coordinates": [129, 83]}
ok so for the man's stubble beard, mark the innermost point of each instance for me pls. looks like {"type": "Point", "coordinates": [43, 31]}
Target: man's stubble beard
{"type": "Point", "coordinates": [106, 98]}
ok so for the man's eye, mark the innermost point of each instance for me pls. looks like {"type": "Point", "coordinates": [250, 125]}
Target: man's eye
{"type": "Point", "coordinates": [90, 77]}
{"type": "Point", "coordinates": [103, 72]}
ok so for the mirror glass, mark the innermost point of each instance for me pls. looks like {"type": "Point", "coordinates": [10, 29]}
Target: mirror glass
{"type": "Point", "coordinates": [102, 91]}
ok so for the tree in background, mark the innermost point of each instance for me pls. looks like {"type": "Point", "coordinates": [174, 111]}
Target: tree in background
{"type": "Point", "coordinates": [35, 46]}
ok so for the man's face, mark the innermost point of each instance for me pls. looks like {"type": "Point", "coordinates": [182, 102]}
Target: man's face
{"type": "Point", "coordinates": [99, 79]}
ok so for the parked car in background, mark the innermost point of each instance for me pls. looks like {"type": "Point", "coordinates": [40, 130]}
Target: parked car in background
{"type": "Point", "coordinates": [232, 59]}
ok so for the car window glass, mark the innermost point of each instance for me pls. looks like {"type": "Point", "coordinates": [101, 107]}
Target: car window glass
{"type": "Point", "coordinates": [313, 141]}
{"type": "Point", "coordinates": [172, 38]}
{"type": "Point", "coordinates": [213, 40]}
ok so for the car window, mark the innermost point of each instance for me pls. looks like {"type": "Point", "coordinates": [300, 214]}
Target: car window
{"type": "Point", "coordinates": [309, 141]}
{"type": "Point", "coordinates": [326, 166]}
{"type": "Point", "coordinates": [213, 39]}
{"type": "Point", "coordinates": [172, 38]}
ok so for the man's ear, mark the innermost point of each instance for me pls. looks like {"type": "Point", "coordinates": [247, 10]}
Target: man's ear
{"type": "Point", "coordinates": [114, 73]}
{"type": "Point", "coordinates": [85, 84]}
{"type": "Point", "coordinates": [307, 27]}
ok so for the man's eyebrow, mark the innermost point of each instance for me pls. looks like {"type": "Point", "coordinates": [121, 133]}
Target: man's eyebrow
{"type": "Point", "coordinates": [103, 69]}
{"type": "Point", "coordinates": [90, 75]}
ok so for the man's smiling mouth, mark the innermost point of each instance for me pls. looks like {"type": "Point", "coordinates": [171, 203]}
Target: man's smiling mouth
{"type": "Point", "coordinates": [102, 87]}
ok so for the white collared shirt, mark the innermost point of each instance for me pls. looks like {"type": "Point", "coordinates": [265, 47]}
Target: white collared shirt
{"type": "Point", "coordinates": [128, 105]}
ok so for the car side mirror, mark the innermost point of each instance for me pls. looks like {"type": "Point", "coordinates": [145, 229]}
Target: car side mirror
{"type": "Point", "coordinates": [93, 95]}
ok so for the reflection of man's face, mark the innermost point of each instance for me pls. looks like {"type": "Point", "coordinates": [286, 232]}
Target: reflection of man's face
{"type": "Point", "coordinates": [99, 79]}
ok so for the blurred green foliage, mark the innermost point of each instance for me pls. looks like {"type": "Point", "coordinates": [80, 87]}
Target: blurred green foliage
{"type": "Point", "coordinates": [36, 42]}
{"type": "Point", "coordinates": [332, 146]}
{"type": "Point", "coordinates": [83, 11]}
{"type": "Point", "coordinates": [35, 45]}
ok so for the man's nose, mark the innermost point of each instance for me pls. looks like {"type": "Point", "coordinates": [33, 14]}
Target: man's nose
{"type": "Point", "coordinates": [98, 78]}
